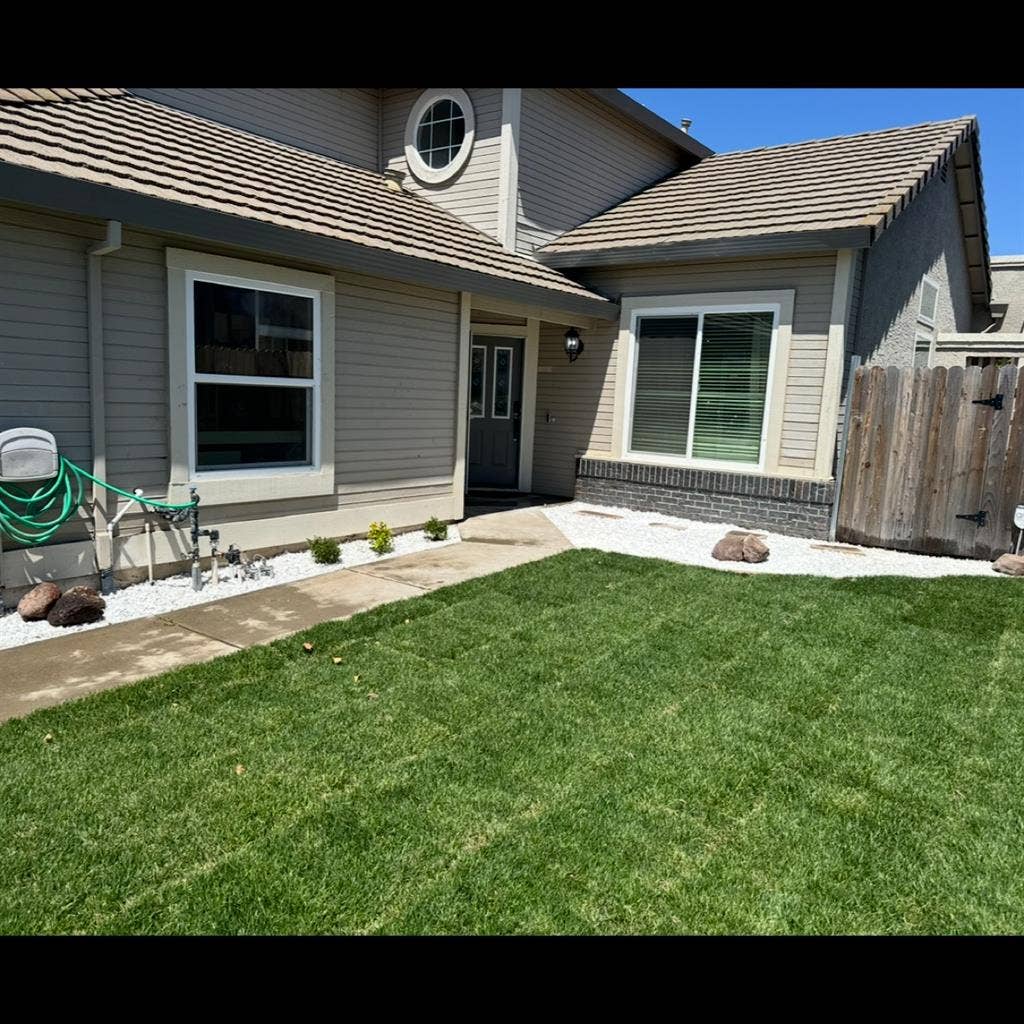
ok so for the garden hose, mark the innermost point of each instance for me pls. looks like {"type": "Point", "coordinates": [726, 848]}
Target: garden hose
{"type": "Point", "coordinates": [64, 495]}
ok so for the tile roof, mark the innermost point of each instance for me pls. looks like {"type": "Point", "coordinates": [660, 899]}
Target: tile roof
{"type": "Point", "coordinates": [852, 181]}
{"type": "Point", "coordinates": [112, 138]}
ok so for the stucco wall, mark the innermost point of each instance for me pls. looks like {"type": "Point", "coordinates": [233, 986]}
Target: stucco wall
{"type": "Point", "coordinates": [927, 238]}
{"type": "Point", "coordinates": [1008, 287]}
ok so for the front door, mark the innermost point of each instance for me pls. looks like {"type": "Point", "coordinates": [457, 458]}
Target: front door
{"type": "Point", "coordinates": [495, 411]}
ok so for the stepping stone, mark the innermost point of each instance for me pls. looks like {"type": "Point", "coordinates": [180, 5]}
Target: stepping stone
{"type": "Point", "coordinates": [746, 533]}
{"type": "Point", "coordinates": [600, 515]}
{"type": "Point", "coordinates": [668, 526]}
{"type": "Point", "coordinates": [840, 549]}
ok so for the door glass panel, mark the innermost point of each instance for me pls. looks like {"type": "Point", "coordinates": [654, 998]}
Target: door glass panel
{"type": "Point", "coordinates": [664, 381]}
{"type": "Point", "coordinates": [477, 376]}
{"type": "Point", "coordinates": [502, 383]}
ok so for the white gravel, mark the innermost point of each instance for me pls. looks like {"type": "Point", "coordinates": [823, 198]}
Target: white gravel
{"type": "Point", "coordinates": [175, 592]}
{"type": "Point", "coordinates": [690, 543]}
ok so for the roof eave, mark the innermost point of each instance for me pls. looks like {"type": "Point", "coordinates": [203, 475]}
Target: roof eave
{"type": "Point", "coordinates": [713, 248]}
{"type": "Point", "coordinates": [56, 192]}
{"type": "Point", "coordinates": [617, 99]}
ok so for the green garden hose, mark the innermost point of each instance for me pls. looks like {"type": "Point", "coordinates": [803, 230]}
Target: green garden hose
{"type": "Point", "coordinates": [62, 494]}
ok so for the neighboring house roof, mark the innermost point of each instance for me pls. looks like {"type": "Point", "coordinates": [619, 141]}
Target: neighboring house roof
{"type": "Point", "coordinates": [116, 141]}
{"type": "Point", "coordinates": [828, 193]}
{"type": "Point", "coordinates": [619, 101]}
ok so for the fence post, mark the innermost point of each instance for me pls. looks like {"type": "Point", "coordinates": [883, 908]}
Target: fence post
{"type": "Point", "coordinates": [841, 461]}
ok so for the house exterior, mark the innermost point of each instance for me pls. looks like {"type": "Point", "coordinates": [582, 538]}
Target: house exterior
{"type": "Point", "coordinates": [322, 307]}
{"type": "Point", "coordinates": [996, 334]}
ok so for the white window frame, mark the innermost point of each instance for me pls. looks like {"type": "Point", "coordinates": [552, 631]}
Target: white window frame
{"type": "Point", "coordinates": [246, 485]}
{"type": "Point", "coordinates": [483, 385]}
{"type": "Point", "coordinates": [921, 318]}
{"type": "Point", "coordinates": [197, 475]}
{"type": "Point", "coordinates": [416, 164]}
{"type": "Point", "coordinates": [637, 314]}
{"type": "Point", "coordinates": [494, 383]}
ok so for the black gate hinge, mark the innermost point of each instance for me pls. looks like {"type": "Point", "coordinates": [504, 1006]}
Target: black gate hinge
{"type": "Point", "coordinates": [979, 518]}
{"type": "Point", "coordinates": [996, 401]}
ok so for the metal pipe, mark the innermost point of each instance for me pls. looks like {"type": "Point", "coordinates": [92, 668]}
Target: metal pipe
{"type": "Point", "coordinates": [149, 549]}
{"type": "Point", "coordinates": [97, 399]}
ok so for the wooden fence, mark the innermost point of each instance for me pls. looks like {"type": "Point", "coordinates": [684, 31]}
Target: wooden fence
{"type": "Point", "coordinates": [934, 460]}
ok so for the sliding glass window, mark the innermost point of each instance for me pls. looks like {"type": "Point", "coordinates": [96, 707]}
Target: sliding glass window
{"type": "Point", "coordinates": [700, 385]}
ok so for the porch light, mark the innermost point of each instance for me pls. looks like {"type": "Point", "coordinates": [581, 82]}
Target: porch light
{"type": "Point", "coordinates": [573, 344]}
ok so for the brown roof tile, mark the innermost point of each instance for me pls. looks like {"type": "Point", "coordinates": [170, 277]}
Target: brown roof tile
{"type": "Point", "coordinates": [129, 143]}
{"type": "Point", "coordinates": [846, 182]}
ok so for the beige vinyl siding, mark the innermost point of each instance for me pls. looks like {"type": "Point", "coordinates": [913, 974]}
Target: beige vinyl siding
{"type": "Point", "coordinates": [473, 193]}
{"type": "Point", "coordinates": [578, 157]}
{"type": "Point", "coordinates": [341, 123]}
{"type": "Point", "coordinates": [396, 371]}
{"type": "Point", "coordinates": [395, 356]}
{"type": "Point", "coordinates": [44, 348]}
{"type": "Point", "coordinates": [582, 396]}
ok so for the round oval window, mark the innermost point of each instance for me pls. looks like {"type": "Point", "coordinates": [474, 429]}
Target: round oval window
{"type": "Point", "coordinates": [439, 135]}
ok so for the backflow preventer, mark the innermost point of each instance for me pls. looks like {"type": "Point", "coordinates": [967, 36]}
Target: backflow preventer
{"type": "Point", "coordinates": [29, 456]}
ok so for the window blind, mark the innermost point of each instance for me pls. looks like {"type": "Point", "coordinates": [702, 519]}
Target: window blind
{"type": "Point", "coordinates": [664, 384]}
{"type": "Point", "coordinates": [732, 385]}
{"type": "Point", "coordinates": [727, 395]}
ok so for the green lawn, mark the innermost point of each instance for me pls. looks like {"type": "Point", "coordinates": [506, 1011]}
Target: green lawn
{"type": "Point", "coordinates": [593, 743]}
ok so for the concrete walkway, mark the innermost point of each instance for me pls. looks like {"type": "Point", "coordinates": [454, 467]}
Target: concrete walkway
{"type": "Point", "coordinates": [52, 671]}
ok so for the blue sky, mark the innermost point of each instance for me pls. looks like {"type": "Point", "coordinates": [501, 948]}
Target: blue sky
{"type": "Point", "coordinates": [726, 119]}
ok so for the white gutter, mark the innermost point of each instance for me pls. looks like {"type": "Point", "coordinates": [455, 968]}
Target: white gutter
{"type": "Point", "coordinates": [97, 400]}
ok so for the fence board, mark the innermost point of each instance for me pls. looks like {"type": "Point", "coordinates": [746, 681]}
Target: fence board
{"type": "Point", "coordinates": [922, 451]}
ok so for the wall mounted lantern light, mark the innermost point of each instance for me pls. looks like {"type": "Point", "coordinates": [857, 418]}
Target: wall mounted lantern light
{"type": "Point", "coordinates": [573, 344]}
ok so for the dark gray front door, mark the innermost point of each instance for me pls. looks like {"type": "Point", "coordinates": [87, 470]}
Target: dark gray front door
{"type": "Point", "coordinates": [495, 411]}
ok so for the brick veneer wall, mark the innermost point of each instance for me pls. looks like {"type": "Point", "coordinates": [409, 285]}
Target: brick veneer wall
{"type": "Point", "coordinates": [798, 507]}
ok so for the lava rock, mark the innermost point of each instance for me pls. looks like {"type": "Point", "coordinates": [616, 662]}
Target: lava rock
{"type": "Point", "coordinates": [740, 547]}
{"type": "Point", "coordinates": [36, 604]}
{"type": "Point", "coordinates": [77, 607]}
{"type": "Point", "coordinates": [1010, 565]}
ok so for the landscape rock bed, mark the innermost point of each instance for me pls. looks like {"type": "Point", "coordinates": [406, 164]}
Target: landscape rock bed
{"type": "Point", "coordinates": [691, 543]}
{"type": "Point", "coordinates": [175, 592]}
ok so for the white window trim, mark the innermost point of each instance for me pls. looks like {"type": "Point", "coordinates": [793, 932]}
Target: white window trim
{"type": "Point", "coordinates": [921, 318]}
{"type": "Point", "coordinates": [699, 312]}
{"type": "Point", "coordinates": [483, 385]}
{"type": "Point", "coordinates": [198, 476]}
{"type": "Point", "coordinates": [494, 382]}
{"type": "Point", "coordinates": [924, 334]}
{"type": "Point", "coordinates": [420, 170]}
{"type": "Point", "coordinates": [234, 486]}
{"type": "Point", "coordinates": [780, 302]}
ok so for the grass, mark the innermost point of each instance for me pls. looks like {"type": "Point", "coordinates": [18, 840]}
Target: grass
{"type": "Point", "coordinates": [589, 744]}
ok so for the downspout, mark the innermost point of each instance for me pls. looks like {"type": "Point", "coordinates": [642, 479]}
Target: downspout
{"type": "Point", "coordinates": [97, 401]}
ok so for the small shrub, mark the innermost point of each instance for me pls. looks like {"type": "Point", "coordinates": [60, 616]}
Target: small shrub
{"type": "Point", "coordinates": [381, 539]}
{"type": "Point", "coordinates": [325, 550]}
{"type": "Point", "coordinates": [435, 529]}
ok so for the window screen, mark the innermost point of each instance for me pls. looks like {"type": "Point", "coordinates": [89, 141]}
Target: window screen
{"type": "Point", "coordinates": [724, 395]}
{"type": "Point", "coordinates": [929, 301]}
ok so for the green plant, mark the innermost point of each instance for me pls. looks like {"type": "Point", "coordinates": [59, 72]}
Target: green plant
{"type": "Point", "coordinates": [381, 539]}
{"type": "Point", "coordinates": [325, 550]}
{"type": "Point", "coordinates": [435, 529]}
